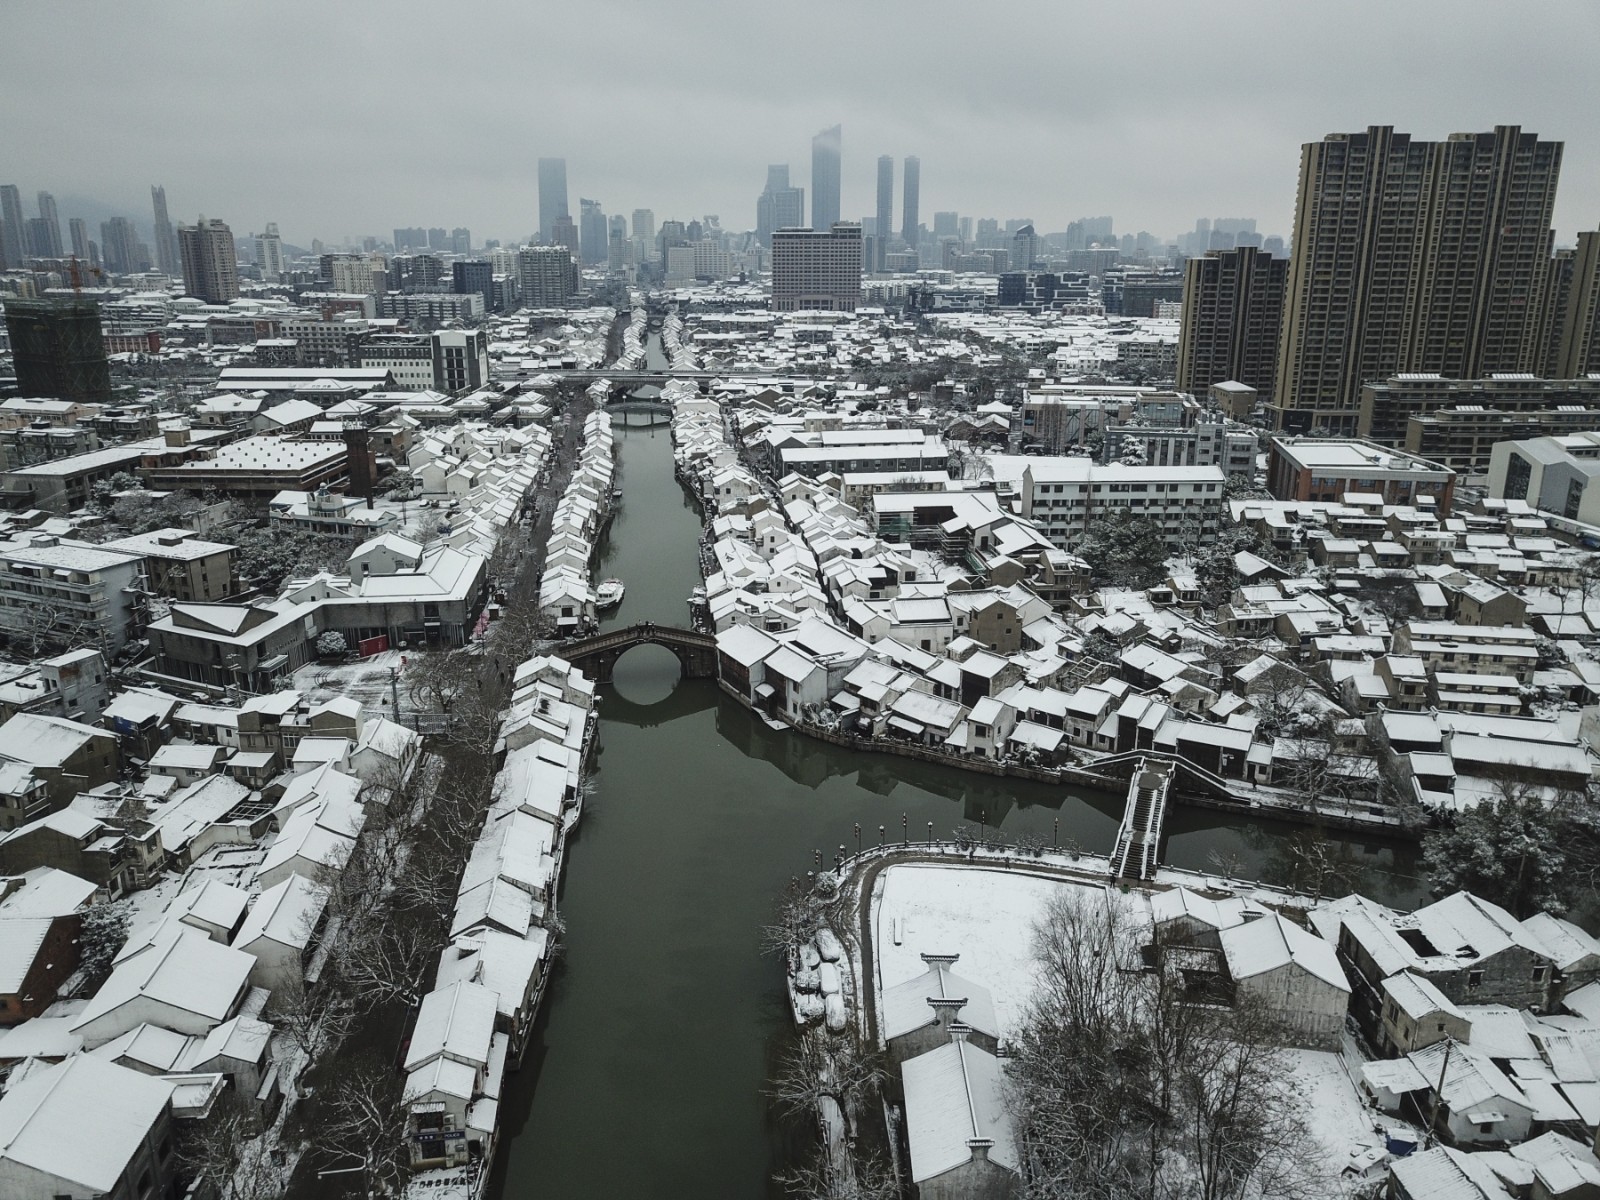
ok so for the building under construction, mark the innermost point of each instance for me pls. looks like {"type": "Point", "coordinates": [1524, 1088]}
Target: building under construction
{"type": "Point", "coordinates": [57, 349]}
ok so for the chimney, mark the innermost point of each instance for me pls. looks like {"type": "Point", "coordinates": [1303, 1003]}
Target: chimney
{"type": "Point", "coordinates": [980, 1148]}
{"type": "Point", "coordinates": [958, 1031]}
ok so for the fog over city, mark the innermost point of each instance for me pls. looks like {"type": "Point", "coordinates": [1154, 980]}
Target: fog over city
{"type": "Point", "coordinates": [336, 120]}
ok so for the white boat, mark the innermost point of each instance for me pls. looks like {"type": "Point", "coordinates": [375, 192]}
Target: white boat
{"type": "Point", "coordinates": [609, 593]}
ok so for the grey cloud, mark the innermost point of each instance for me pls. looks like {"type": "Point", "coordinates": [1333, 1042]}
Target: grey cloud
{"type": "Point", "coordinates": [336, 119]}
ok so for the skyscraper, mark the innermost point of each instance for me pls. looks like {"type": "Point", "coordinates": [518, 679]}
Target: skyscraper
{"type": "Point", "coordinates": [565, 233]}
{"type": "Point", "coordinates": [552, 196]}
{"type": "Point", "coordinates": [80, 238]}
{"type": "Point", "coordinates": [644, 223]}
{"type": "Point", "coordinates": [210, 266]}
{"type": "Point", "coordinates": [167, 261]}
{"type": "Point", "coordinates": [593, 237]}
{"type": "Point", "coordinates": [817, 269]}
{"type": "Point", "coordinates": [50, 226]}
{"type": "Point", "coordinates": [57, 348]}
{"type": "Point", "coordinates": [1575, 334]}
{"type": "Point", "coordinates": [1232, 316]}
{"type": "Point", "coordinates": [269, 254]}
{"type": "Point", "coordinates": [119, 244]}
{"type": "Point", "coordinates": [825, 157]}
{"type": "Point", "coordinates": [13, 231]}
{"type": "Point", "coordinates": [910, 230]}
{"type": "Point", "coordinates": [1413, 256]}
{"type": "Point", "coordinates": [780, 206]}
{"type": "Point", "coordinates": [883, 225]}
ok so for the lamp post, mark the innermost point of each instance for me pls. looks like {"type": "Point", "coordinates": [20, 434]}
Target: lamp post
{"type": "Point", "coordinates": [930, 833]}
{"type": "Point", "coordinates": [905, 830]}
{"type": "Point", "coordinates": [858, 838]}
{"type": "Point", "coordinates": [880, 836]}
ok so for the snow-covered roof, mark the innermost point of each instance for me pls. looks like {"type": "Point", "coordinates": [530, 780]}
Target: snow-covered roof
{"type": "Point", "coordinates": [1270, 942]}
{"type": "Point", "coordinates": [907, 1006]}
{"type": "Point", "coordinates": [954, 1095]}
{"type": "Point", "coordinates": [455, 1022]}
{"type": "Point", "coordinates": [82, 1120]}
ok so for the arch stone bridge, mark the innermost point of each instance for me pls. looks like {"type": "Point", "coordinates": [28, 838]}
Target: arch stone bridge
{"type": "Point", "coordinates": [596, 656]}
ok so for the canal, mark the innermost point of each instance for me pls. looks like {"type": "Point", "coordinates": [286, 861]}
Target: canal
{"type": "Point", "coordinates": [645, 1073]}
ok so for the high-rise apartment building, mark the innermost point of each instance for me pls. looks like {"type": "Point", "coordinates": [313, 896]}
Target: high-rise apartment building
{"type": "Point", "coordinates": [80, 238]}
{"type": "Point", "coordinates": [461, 240]}
{"type": "Point", "coordinates": [910, 229]}
{"type": "Point", "coordinates": [210, 267]}
{"type": "Point", "coordinates": [593, 236]}
{"type": "Point", "coordinates": [547, 274]}
{"type": "Point", "coordinates": [269, 254]}
{"type": "Point", "coordinates": [57, 348]}
{"type": "Point", "coordinates": [552, 196]}
{"type": "Point", "coordinates": [167, 259]}
{"type": "Point", "coordinates": [825, 158]}
{"type": "Point", "coordinates": [817, 269]}
{"type": "Point", "coordinates": [13, 229]}
{"type": "Point", "coordinates": [946, 224]}
{"type": "Point", "coordinates": [119, 246]}
{"type": "Point", "coordinates": [1024, 248]}
{"type": "Point", "coordinates": [1413, 256]}
{"type": "Point", "coordinates": [49, 246]}
{"type": "Point", "coordinates": [1232, 317]}
{"type": "Point", "coordinates": [1575, 314]}
{"type": "Point", "coordinates": [644, 223]}
{"type": "Point", "coordinates": [883, 226]}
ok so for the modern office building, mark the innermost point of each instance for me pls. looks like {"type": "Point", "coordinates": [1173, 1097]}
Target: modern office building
{"type": "Point", "coordinates": [13, 229]}
{"type": "Point", "coordinates": [473, 277]}
{"type": "Point", "coordinates": [460, 359]}
{"type": "Point", "coordinates": [780, 206]}
{"type": "Point", "coordinates": [547, 275]}
{"type": "Point", "coordinates": [825, 159]}
{"type": "Point", "coordinates": [1452, 420]}
{"type": "Point", "coordinates": [592, 235]}
{"type": "Point", "coordinates": [817, 269]}
{"type": "Point", "coordinates": [269, 254]}
{"type": "Point", "coordinates": [910, 230]}
{"type": "Point", "coordinates": [1232, 318]}
{"type": "Point", "coordinates": [1024, 248]}
{"type": "Point", "coordinates": [57, 348]}
{"type": "Point", "coordinates": [167, 259]}
{"type": "Point", "coordinates": [884, 223]}
{"type": "Point", "coordinates": [1327, 469]}
{"type": "Point", "coordinates": [644, 223]}
{"type": "Point", "coordinates": [210, 267]}
{"type": "Point", "coordinates": [552, 196]}
{"type": "Point", "coordinates": [564, 233]}
{"type": "Point", "coordinates": [1557, 475]}
{"type": "Point", "coordinates": [1412, 256]}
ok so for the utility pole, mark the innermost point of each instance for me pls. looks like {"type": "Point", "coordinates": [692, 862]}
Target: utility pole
{"type": "Point", "coordinates": [1438, 1095]}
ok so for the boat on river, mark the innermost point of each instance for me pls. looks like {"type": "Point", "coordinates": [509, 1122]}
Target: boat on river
{"type": "Point", "coordinates": [609, 593]}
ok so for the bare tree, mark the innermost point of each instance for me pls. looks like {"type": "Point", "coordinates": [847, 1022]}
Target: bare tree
{"type": "Point", "coordinates": [230, 1152]}
{"type": "Point", "coordinates": [1132, 1077]}
{"type": "Point", "coordinates": [313, 1017]}
{"type": "Point", "coordinates": [361, 1118]}
{"type": "Point", "coordinates": [383, 958]}
{"type": "Point", "coordinates": [820, 1066]}
{"type": "Point", "coordinates": [824, 1178]}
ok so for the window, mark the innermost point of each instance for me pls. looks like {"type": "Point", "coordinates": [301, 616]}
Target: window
{"type": "Point", "coordinates": [1538, 974]}
{"type": "Point", "coordinates": [1474, 979]}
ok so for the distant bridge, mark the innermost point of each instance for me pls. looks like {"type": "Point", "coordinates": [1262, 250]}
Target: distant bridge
{"type": "Point", "coordinates": [633, 378]}
{"type": "Point", "coordinates": [597, 656]}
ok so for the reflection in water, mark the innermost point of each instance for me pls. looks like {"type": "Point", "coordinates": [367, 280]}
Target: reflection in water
{"type": "Point", "coordinates": [646, 1069]}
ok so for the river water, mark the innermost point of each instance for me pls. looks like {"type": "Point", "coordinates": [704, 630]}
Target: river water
{"type": "Point", "coordinates": [645, 1072]}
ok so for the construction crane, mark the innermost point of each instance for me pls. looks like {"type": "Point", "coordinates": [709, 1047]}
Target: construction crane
{"type": "Point", "coordinates": [75, 272]}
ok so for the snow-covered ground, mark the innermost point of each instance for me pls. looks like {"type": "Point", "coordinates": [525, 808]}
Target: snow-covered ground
{"type": "Point", "coordinates": [984, 914]}
{"type": "Point", "coordinates": [366, 681]}
{"type": "Point", "coordinates": [1340, 1124]}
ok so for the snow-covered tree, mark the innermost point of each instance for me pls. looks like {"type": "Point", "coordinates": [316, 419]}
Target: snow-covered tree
{"type": "Point", "coordinates": [332, 644]}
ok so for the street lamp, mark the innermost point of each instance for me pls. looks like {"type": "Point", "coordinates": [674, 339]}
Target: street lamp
{"type": "Point", "coordinates": [905, 830]}
{"type": "Point", "coordinates": [858, 838]}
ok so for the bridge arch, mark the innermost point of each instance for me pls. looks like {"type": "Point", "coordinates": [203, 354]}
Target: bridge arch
{"type": "Point", "coordinates": [597, 656]}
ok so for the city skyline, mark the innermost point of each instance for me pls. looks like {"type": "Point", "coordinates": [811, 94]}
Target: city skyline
{"type": "Point", "coordinates": [1009, 143]}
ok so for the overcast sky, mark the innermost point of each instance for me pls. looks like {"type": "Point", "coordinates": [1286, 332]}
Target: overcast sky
{"type": "Point", "coordinates": [338, 119]}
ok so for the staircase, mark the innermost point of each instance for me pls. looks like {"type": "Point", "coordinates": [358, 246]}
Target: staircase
{"type": "Point", "coordinates": [1138, 846]}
